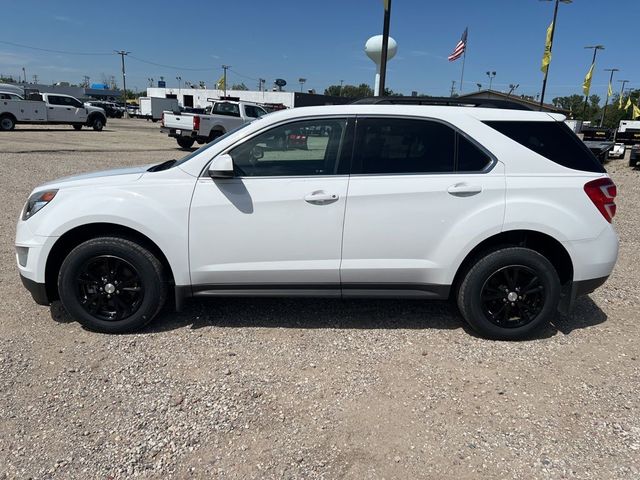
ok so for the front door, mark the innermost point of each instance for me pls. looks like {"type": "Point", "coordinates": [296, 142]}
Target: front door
{"type": "Point", "coordinates": [419, 193]}
{"type": "Point", "coordinates": [277, 225]}
{"type": "Point", "coordinates": [65, 109]}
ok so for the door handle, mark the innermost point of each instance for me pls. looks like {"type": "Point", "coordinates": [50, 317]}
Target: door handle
{"type": "Point", "coordinates": [50, 108]}
{"type": "Point", "coordinates": [320, 197]}
{"type": "Point", "coordinates": [464, 189]}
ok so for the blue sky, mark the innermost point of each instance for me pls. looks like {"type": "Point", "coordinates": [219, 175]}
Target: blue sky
{"type": "Point", "coordinates": [322, 41]}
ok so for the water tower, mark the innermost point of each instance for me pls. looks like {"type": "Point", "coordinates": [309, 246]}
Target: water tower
{"type": "Point", "coordinates": [373, 49]}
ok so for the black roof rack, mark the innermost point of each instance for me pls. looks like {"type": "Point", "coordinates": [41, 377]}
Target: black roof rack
{"type": "Point", "coordinates": [444, 101]}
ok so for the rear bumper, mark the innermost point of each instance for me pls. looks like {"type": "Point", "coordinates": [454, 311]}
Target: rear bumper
{"type": "Point", "coordinates": [37, 290]}
{"type": "Point", "coordinates": [577, 289]}
{"type": "Point", "coordinates": [173, 132]}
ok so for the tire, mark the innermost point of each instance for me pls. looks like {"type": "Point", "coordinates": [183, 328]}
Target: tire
{"type": "Point", "coordinates": [98, 123]}
{"type": "Point", "coordinates": [185, 143]}
{"type": "Point", "coordinates": [213, 135]}
{"type": "Point", "coordinates": [492, 296]}
{"type": "Point", "coordinates": [77, 127]}
{"type": "Point", "coordinates": [632, 162]}
{"type": "Point", "coordinates": [112, 285]}
{"type": "Point", "coordinates": [7, 122]}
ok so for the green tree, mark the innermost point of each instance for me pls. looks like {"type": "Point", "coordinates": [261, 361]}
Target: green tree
{"type": "Point", "coordinates": [615, 113]}
{"type": "Point", "coordinates": [575, 105]}
{"type": "Point", "coordinates": [351, 91]}
{"type": "Point", "coordinates": [239, 86]}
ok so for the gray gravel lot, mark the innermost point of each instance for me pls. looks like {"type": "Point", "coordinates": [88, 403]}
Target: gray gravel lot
{"type": "Point", "coordinates": [272, 388]}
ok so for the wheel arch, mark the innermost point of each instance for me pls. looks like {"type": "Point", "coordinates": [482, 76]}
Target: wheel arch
{"type": "Point", "coordinates": [540, 242]}
{"type": "Point", "coordinates": [74, 237]}
{"type": "Point", "coordinates": [11, 116]}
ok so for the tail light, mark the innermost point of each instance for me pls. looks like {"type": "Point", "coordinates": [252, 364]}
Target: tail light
{"type": "Point", "coordinates": [602, 193]}
{"type": "Point", "coordinates": [196, 122]}
{"type": "Point", "coordinates": [162, 120]}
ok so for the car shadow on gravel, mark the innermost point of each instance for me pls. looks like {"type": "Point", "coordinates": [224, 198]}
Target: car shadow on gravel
{"type": "Point", "coordinates": [347, 314]}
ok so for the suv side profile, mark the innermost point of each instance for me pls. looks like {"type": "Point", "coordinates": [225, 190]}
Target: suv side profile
{"type": "Point", "coordinates": [504, 211]}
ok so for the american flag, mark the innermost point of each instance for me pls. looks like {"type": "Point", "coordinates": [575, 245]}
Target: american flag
{"type": "Point", "coordinates": [460, 47]}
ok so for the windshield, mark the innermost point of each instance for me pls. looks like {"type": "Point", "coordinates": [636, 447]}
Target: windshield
{"type": "Point", "coordinates": [204, 147]}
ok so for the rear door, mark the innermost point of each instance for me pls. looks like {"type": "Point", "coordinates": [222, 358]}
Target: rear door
{"type": "Point", "coordinates": [64, 109]}
{"type": "Point", "coordinates": [419, 192]}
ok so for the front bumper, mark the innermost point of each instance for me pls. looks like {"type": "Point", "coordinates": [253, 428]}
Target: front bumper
{"type": "Point", "coordinates": [37, 290]}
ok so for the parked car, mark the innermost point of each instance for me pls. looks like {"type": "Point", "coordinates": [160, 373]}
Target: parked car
{"type": "Point", "coordinates": [617, 151]}
{"type": "Point", "coordinates": [188, 128]}
{"type": "Point", "coordinates": [504, 211]}
{"type": "Point", "coordinates": [111, 109]}
{"type": "Point", "coordinates": [634, 156]}
{"type": "Point", "coordinates": [52, 109]}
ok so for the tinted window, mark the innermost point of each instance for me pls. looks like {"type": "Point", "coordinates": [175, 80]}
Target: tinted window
{"type": "Point", "coordinates": [552, 140]}
{"type": "Point", "coordinates": [253, 112]}
{"type": "Point", "coordinates": [230, 109]}
{"type": "Point", "coordinates": [292, 149]}
{"type": "Point", "coordinates": [54, 100]}
{"type": "Point", "coordinates": [470, 157]}
{"type": "Point", "coordinates": [395, 145]}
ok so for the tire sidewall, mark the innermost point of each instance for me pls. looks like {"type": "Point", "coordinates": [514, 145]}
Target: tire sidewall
{"type": "Point", "coordinates": [470, 292]}
{"type": "Point", "coordinates": [3, 119]}
{"type": "Point", "coordinates": [98, 123]}
{"type": "Point", "coordinates": [151, 279]}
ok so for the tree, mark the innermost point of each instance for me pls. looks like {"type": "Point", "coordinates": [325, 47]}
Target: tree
{"type": "Point", "coordinates": [239, 86]}
{"type": "Point", "coordinates": [351, 91]}
{"type": "Point", "coordinates": [575, 105]}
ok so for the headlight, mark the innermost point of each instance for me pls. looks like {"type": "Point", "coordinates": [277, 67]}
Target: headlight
{"type": "Point", "coordinates": [36, 202]}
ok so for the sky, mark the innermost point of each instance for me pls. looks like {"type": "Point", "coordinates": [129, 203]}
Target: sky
{"type": "Point", "coordinates": [322, 41]}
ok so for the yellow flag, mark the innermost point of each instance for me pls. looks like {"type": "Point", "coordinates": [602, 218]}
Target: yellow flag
{"type": "Point", "coordinates": [628, 104]}
{"type": "Point", "coordinates": [220, 83]}
{"type": "Point", "coordinates": [610, 91]}
{"type": "Point", "coordinates": [586, 86]}
{"type": "Point", "coordinates": [636, 112]}
{"type": "Point", "coordinates": [620, 102]}
{"type": "Point", "coordinates": [546, 57]}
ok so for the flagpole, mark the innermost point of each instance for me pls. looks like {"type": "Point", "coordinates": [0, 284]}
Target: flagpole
{"type": "Point", "coordinates": [464, 57]}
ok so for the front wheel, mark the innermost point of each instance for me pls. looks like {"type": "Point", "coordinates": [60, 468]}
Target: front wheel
{"type": "Point", "coordinates": [98, 124]}
{"type": "Point", "coordinates": [185, 143]}
{"type": "Point", "coordinates": [509, 294]}
{"type": "Point", "coordinates": [111, 285]}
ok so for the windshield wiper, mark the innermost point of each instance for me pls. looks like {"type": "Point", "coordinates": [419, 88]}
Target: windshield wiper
{"type": "Point", "coordinates": [162, 166]}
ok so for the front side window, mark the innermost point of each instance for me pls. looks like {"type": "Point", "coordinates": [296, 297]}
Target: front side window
{"type": "Point", "coordinates": [398, 145]}
{"type": "Point", "coordinates": [252, 111]}
{"type": "Point", "coordinates": [305, 148]}
{"type": "Point", "coordinates": [54, 100]}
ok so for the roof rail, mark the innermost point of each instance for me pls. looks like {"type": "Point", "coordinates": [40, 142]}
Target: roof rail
{"type": "Point", "coordinates": [444, 101]}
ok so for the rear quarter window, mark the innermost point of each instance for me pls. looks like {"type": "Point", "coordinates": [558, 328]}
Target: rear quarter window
{"type": "Point", "coordinates": [553, 140]}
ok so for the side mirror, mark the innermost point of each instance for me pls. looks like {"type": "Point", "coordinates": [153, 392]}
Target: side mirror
{"type": "Point", "coordinates": [221, 167]}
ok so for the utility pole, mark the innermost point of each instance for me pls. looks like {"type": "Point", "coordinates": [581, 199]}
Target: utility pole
{"type": "Point", "coordinates": [385, 45]}
{"type": "Point", "coordinates": [593, 62]}
{"type": "Point", "coordinates": [122, 54]}
{"type": "Point", "coordinates": [553, 31]}
{"type": "Point", "coordinates": [35, 79]}
{"type": "Point", "coordinates": [261, 82]}
{"type": "Point", "coordinates": [225, 68]}
{"type": "Point", "coordinates": [606, 103]}
{"type": "Point", "coordinates": [179, 79]}
{"type": "Point", "coordinates": [453, 88]}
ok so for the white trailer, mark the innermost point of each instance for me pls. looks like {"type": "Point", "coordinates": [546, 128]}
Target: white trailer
{"type": "Point", "coordinates": [151, 108]}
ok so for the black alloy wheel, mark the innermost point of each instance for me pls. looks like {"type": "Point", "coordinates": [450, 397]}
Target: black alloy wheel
{"type": "Point", "coordinates": [513, 296]}
{"type": "Point", "coordinates": [112, 285]}
{"type": "Point", "coordinates": [109, 288]}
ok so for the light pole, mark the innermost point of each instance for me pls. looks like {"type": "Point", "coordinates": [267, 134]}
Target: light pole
{"type": "Point", "coordinates": [491, 75]}
{"type": "Point", "coordinates": [606, 103]}
{"type": "Point", "coordinates": [150, 81]}
{"type": "Point", "coordinates": [553, 31]}
{"type": "Point", "coordinates": [225, 68]}
{"type": "Point", "coordinates": [479, 85]}
{"type": "Point", "coordinates": [512, 87]}
{"type": "Point", "coordinates": [385, 45]}
{"type": "Point", "coordinates": [122, 54]}
{"type": "Point", "coordinates": [593, 63]}
{"type": "Point", "coordinates": [623, 82]}
{"type": "Point", "coordinates": [341, 82]}
{"type": "Point", "coordinates": [301, 81]}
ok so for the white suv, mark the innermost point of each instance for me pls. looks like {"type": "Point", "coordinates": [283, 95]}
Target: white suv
{"type": "Point", "coordinates": [505, 211]}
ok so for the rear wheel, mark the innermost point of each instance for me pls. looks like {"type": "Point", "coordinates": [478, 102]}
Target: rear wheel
{"type": "Point", "coordinates": [185, 143]}
{"type": "Point", "coordinates": [111, 285]}
{"type": "Point", "coordinates": [7, 122]}
{"type": "Point", "coordinates": [509, 294]}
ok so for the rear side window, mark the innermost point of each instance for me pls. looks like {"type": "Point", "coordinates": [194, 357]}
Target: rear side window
{"type": "Point", "coordinates": [229, 109]}
{"type": "Point", "coordinates": [552, 140]}
{"type": "Point", "coordinates": [470, 157]}
{"type": "Point", "coordinates": [397, 145]}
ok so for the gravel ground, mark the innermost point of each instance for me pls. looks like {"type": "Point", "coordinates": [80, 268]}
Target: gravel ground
{"type": "Point", "coordinates": [272, 388]}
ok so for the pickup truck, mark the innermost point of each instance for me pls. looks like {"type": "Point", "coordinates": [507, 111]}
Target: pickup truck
{"type": "Point", "coordinates": [188, 128]}
{"type": "Point", "coordinates": [50, 109]}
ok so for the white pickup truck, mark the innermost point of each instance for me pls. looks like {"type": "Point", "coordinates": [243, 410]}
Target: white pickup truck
{"type": "Point", "coordinates": [50, 108]}
{"type": "Point", "coordinates": [225, 115]}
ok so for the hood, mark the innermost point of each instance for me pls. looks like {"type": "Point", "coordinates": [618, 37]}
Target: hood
{"type": "Point", "coordinates": [91, 108]}
{"type": "Point", "coordinates": [104, 177]}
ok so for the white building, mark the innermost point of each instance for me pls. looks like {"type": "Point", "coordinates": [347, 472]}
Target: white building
{"type": "Point", "coordinates": [198, 97]}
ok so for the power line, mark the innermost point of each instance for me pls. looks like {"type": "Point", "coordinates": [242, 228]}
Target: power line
{"type": "Point", "coordinates": [53, 51]}
{"type": "Point", "coordinates": [171, 66]}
